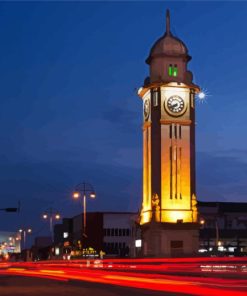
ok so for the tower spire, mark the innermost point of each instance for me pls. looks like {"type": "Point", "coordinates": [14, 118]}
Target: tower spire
{"type": "Point", "coordinates": [168, 22]}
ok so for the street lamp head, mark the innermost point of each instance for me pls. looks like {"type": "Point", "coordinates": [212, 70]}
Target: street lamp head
{"type": "Point", "coordinates": [29, 230]}
{"type": "Point", "coordinates": [76, 195]}
{"type": "Point", "coordinates": [20, 230]}
{"type": "Point", "coordinates": [57, 216]}
{"type": "Point", "coordinates": [92, 195]}
{"type": "Point", "coordinates": [45, 216]}
{"type": "Point", "coordinates": [202, 221]}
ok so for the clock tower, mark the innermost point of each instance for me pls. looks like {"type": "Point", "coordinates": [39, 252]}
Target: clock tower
{"type": "Point", "coordinates": [168, 216]}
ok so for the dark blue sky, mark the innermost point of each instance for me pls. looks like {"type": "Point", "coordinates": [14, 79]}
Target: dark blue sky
{"type": "Point", "coordinates": [69, 111]}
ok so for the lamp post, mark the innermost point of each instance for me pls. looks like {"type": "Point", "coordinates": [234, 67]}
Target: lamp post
{"type": "Point", "coordinates": [218, 243]}
{"type": "Point", "coordinates": [84, 190]}
{"type": "Point", "coordinates": [51, 214]}
{"type": "Point", "coordinates": [24, 232]}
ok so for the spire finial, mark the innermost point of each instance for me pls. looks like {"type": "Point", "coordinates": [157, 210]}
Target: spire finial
{"type": "Point", "coordinates": [168, 22]}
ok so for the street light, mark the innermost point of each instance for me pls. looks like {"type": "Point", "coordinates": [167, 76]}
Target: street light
{"type": "Point", "coordinates": [24, 232]}
{"type": "Point", "coordinates": [51, 214]}
{"type": "Point", "coordinates": [217, 241]}
{"type": "Point", "coordinates": [84, 190]}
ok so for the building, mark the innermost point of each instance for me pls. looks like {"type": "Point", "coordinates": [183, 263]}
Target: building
{"type": "Point", "coordinates": [42, 248]}
{"type": "Point", "coordinates": [223, 231]}
{"type": "Point", "coordinates": [168, 215]}
{"type": "Point", "coordinates": [109, 232]}
{"type": "Point", "coordinates": [118, 230]}
{"type": "Point", "coordinates": [223, 227]}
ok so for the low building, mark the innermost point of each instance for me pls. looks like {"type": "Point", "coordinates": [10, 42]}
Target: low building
{"type": "Point", "coordinates": [117, 237]}
{"type": "Point", "coordinates": [223, 227]}
{"type": "Point", "coordinates": [42, 248]}
{"type": "Point", "coordinates": [107, 232]}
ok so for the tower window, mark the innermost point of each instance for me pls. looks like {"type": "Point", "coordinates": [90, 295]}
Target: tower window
{"type": "Point", "coordinates": [155, 98]}
{"type": "Point", "coordinates": [170, 132]}
{"type": "Point", "coordinates": [192, 99]}
{"type": "Point", "coordinates": [170, 70]}
{"type": "Point", "coordinates": [170, 172]}
{"type": "Point", "coordinates": [173, 70]}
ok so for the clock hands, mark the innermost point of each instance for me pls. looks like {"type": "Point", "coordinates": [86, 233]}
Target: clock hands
{"type": "Point", "coordinates": [176, 104]}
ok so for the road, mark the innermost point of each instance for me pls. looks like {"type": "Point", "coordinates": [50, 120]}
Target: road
{"type": "Point", "coordinates": [24, 286]}
{"type": "Point", "coordinates": [190, 276]}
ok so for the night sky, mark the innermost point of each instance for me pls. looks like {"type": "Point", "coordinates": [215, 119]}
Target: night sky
{"type": "Point", "coordinates": [69, 110]}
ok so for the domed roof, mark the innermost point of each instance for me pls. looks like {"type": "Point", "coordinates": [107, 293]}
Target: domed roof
{"type": "Point", "coordinates": [168, 44]}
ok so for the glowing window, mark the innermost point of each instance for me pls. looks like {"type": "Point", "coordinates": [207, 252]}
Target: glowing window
{"type": "Point", "coordinates": [138, 243]}
{"type": "Point", "coordinates": [170, 70]}
{"type": "Point", "coordinates": [57, 251]}
{"type": "Point", "coordinates": [175, 71]}
{"type": "Point", "coordinates": [65, 234]}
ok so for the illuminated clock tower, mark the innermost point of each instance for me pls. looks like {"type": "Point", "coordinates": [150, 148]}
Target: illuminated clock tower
{"type": "Point", "coordinates": [168, 215]}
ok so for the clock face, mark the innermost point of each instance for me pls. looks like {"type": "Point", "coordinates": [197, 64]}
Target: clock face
{"type": "Point", "coordinates": [146, 109]}
{"type": "Point", "coordinates": [175, 105]}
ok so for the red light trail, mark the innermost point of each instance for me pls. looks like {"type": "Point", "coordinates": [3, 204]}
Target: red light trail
{"type": "Point", "coordinates": [151, 274]}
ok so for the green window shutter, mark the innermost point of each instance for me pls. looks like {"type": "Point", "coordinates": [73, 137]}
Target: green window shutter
{"type": "Point", "coordinates": [175, 71]}
{"type": "Point", "coordinates": [170, 70]}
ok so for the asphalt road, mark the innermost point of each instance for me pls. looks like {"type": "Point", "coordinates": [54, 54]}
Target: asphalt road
{"type": "Point", "coordinates": [26, 286]}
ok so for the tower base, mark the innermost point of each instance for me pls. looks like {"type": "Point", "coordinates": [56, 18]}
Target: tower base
{"type": "Point", "coordinates": [170, 239]}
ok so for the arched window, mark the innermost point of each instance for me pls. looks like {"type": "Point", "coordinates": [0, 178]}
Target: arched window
{"type": "Point", "coordinates": [173, 70]}
{"type": "Point", "coordinates": [170, 70]}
